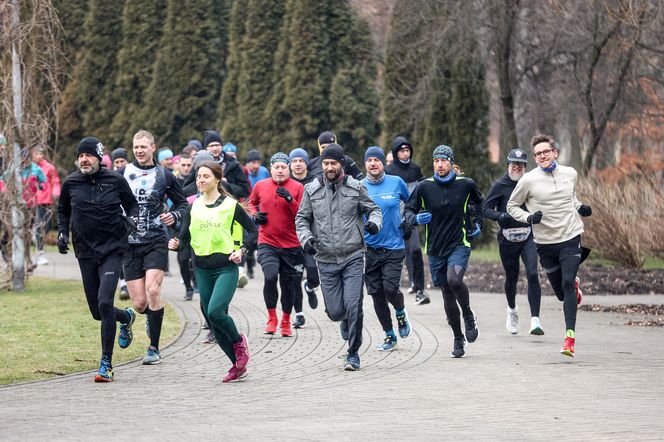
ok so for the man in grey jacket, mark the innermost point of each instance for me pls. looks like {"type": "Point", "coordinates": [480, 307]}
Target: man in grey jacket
{"type": "Point", "coordinates": [334, 213]}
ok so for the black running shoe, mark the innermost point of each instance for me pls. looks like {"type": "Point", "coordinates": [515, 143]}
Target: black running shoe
{"type": "Point", "coordinates": [311, 295]}
{"type": "Point", "coordinates": [421, 298]}
{"type": "Point", "coordinates": [458, 351]}
{"type": "Point", "coordinates": [472, 332]}
{"type": "Point", "coordinates": [299, 321]}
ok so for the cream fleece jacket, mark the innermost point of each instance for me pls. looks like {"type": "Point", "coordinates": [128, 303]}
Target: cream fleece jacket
{"type": "Point", "coordinates": [554, 193]}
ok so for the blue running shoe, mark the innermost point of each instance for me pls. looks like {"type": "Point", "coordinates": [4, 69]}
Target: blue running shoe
{"type": "Point", "coordinates": [343, 328]}
{"type": "Point", "coordinates": [352, 362]}
{"type": "Point", "coordinates": [152, 357]}
{"type": "Point", "coordinates": [404, 324]}
{"type": "Point", "coordinates": [389, 343]}
{"type": "Point", "coordinates": [105, 373]}
{"type": "Point", "coordinates": [126, 336]}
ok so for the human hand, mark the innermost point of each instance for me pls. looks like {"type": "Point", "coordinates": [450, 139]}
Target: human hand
{"type": "Point", "coordinates": [260, 218]}
{"type": "Point", "coordinates": [285, 194]}
{"type": "Point", "coordinates": [235, 256]}
{"type": "Point", "coordinates": [310, 246]}
{"type": "Point", "coordinates": [371, 227]}
{"type": "Point", "coordinates": [535, 218]}
{"type": "Point", "coordinates": [585, 210]}
{"type": "Point", "coordinates": [63, 243]}
{"type": "Point", "coordinates": [167, 218]}
{"type": "Point", "coordinates": [173, 244]}
{"type": "Point", "coordinates": [475, 233]}
{"type": "Point", "coordinates": [503, 219]}
{"type": "Point", "coordinates": [423, 218]}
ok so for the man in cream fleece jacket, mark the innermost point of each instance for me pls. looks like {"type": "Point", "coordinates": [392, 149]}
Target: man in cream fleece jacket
{"type": "Point", "coordinates": [549, 193]}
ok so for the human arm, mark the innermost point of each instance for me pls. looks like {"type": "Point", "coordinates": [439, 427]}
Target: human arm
{"type": "Point", "coordinates": [64, 216]}
{"type": "Point", "coordinates": [175, 194]}
{"type": "Point", "coordinates": [519, 196]}
{"type": "Point", "coordinates": [371, 210]}
{"type": "Point", "coordinates": [492, 202]}
{"type": "Point", "coordinates": [304, 219]}
{"type": "Point", "coordinates": [477, 200]}
{"type": "Point", "coordinates": [351, 168]}
{"type": "Point", "coordinates": [236, 182]}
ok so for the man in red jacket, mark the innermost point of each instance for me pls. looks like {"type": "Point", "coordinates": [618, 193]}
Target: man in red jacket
{"type": "Point", "coordinates": [275, 203]}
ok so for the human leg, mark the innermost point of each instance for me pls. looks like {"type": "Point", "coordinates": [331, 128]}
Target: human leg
{"type": "Point", "coordinates": [529, 258]}
{"type": "Point", "coordinates": [373, 278]}
{"type": "Point", "coordinates": [353, 280]}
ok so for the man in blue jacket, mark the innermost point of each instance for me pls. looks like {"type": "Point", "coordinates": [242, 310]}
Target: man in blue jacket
{"type": "Point", "coordinates": [386, 249]}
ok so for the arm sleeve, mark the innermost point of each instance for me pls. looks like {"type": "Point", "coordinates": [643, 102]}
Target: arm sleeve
{"type": "Point", "coordinates": [174, 192]}
{"type": "Point", "coordinates": [64, 210]}
{"type": "Point", "coordinates": [477, 200]}
{"type": "Point", "coordinates": [184, 236]}
{"type": "Point", "coordinates": [246, 222]}
{"type": "Point", "coordinates": [237, 184]}
{"type": "Point", "coordinates": [492, 202]}
{"type": "Point", "coordinates": [353, 169]}
{"type": "Point", "coordinates": [517, 199]}
{"type": "Point", "coordinates": [129, 203]}
{"type": "Point", "coordinates": [412, 207]}
{"type": "Point", "coordinates": [303, 219]}
{"type": "Point", "coordinates": [369, 208]}
{"type": "Point", "coordinates": [254, 200]}
{"type": "Point", "coordinates": [297, 198]}
{"type": "Point", "coordinates": [403, 191]}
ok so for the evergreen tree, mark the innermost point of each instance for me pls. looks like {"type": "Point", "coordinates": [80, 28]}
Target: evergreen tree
{"type": "Point", "coordinates": [142, 24]}
{"type": "Point", "coordinates": [72, 16]}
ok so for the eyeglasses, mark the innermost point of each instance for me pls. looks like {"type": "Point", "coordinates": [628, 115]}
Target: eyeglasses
{"type": "Point", "coordinates": [517, 164]}
{"type": "Point", "coordinates": [542, 152]}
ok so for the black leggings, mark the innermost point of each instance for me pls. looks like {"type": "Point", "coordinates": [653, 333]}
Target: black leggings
{"type": "Point", "coordinates": [184, 261]}
{"type": "Point", "coordinates": [455, 295]}
{"type": "Point", "coordinates": [313, 281]}
{"type": "Point", "coordinates": [282, 266]}
{"type": "Point", "coordinates": [414, 261]}
{"type": "Point", "coordinates": [100, 279]}
{"type": "Point", "coordinates": [382, 277]}
{"type": "Point", "coordinates": [509, 255]}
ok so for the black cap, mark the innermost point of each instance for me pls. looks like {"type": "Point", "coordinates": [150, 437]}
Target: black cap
{"type": "Point", "coordinates": [120, 152]}
{"type": "Point", "coordinates": [517, 156]}
{"type": "Point", "coordinates": [326, 137]}
{"type": "Point", "coordinates": [92, 146]}
{"type": "Point", "coordinates": [333, 152]}
{"type": "Point", "coordinates": [211, 136]}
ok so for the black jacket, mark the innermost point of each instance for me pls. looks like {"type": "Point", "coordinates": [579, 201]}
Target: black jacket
{"type": "Point", "coordinates": [93, 206]}
{"type": "Point", "coordinates": [409, 172]}
{"type": "Point", "coordinates": [496, 203]}
{"type": "Point", "coordinates": [315, 167]}
{"type": "Point", "coordinates": [236, 184]}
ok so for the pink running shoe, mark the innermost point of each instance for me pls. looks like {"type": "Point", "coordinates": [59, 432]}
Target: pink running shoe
{"type": "Point", "coordinates": [241, 350]}
{"type": "Point", "coordinates": [234, 374]}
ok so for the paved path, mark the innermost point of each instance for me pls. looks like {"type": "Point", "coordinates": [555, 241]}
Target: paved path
{"type": "Point", "coordinates": [508, 387]}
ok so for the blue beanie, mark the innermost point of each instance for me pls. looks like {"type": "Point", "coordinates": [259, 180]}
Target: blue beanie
{"type": "Point", "coordinates": [163, 154]}
{"type": "Point", "coordinates": [229, 147]}
{"type": "Point", "coordinates": [444, 152]}
{"type": "Point", "coordinates": [280, 157]}
{"type": "Point", "coordinates": [197, 144]}
{"type": "Point", "coordinates": [299, 153]}
{"type": "Point", "coordinates": [376, 152]}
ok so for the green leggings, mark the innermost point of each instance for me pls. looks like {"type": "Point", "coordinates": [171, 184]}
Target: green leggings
{"type": "Point", "coordinates": [217, 287]}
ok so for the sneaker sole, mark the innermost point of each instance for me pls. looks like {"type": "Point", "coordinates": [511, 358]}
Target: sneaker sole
{"type": "Point", "coordinates": [423, 302]}
{"type": "Point", "coordinates": [152, 362]}
{"type": "Point", "coordinates": [537, 332]}
{"type": "Point", "coordinates": [386, 349]}
{"type": "Point", "coordinates": [567, 353]}
{"type": "Point", "coordinates": [102, 379]}
{"type": "Point", "coordinates": [349, 367]}
{"type": "Point", "coordinates": [238, 379]}
{"type": "Point", "coordinates": [457, 357]}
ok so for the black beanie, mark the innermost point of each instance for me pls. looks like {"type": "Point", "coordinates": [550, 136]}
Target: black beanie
{"type": "Point", "coordinates": [92, 146]}
{"type": "Point", "coordinates": [211, 136]}
{"type": "Point", "coordinates": [253, 155]}
{"type": "Point", "coordinates": [326, 137]}
{"type": "Point", "coordinates": [119, 153]}
{"type": "Point", "coordinates": [333, 152]}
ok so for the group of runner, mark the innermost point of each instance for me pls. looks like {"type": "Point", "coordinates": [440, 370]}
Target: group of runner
{"type": "Point", "coordinates": [319, 216]}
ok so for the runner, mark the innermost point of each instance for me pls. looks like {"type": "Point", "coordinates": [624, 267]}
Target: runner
{"type": "Point", "coordinates": [515, 240]}
{"type": "Point", "coordinates": [91, 203]}
{"type": "Point", "coordinates": [299, 160]}
{"type": "Point", "coordinates": [404, 167]}
{"type": "Point", "coordinates": [330, 226]}
{"type": "Point", "coordinates": [386, 249]}
{"type": "Point", "coordinates": [216, 254]}
{"type": "Point", "coordinates": [441, 203]}
{"type": "Point", "coordinates": [184, 253]}
{"type": "Point", "coordinates": [46, 196]}
{"type": "Point", "coordinates": [147, 258]}
{"type": "Point", "coordinates": [119, 158]}
{"type": "Point", "coordinates": [315, 166]}
{"type": "Point", "coordinates": [549, 193]}
{"type": "Point", "coordinates": [255, 170]}
{"type": "Point", "coordinates": [275, 202]}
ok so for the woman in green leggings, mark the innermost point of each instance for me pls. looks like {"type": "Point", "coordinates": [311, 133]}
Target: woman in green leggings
{"type": "Point", "coordinates": [213, 227]}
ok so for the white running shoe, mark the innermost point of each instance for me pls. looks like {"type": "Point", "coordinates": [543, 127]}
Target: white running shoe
{"type": "Point", "coordinates": [242, 280]}
{"type": "Point", "coordinates": [512, 322]}
{"type": "Point", "coordinates": [41, 259]}
{"type": "Point", "coordinates": [536, 326]}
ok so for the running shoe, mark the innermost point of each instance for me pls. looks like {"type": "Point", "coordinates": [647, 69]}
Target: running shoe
{"type": "Point", "coordinates": [286, 331]}
{"type": "Point", "coordinates": [205, 325]}
{"type": "Point", "coordinates": [209, 338]}
{"type": "Point", "coordinates": [311, 295]}
{"type": "Point", "coordinates": [536, 326]}
{"type": "Point", "coordinates": [404, 324]}
{"type": "Point", "coordinates": [459, 348]}
{"type": "Point", "coordinates": [472, 332]}
{"type": "Point", "coordinates": [568, 344]}
{"type": "Point", "coordinates": [126, 336]}
{"type": "Point", "coordinates": [242, 281]}
{"type": "Point", "coordinates": [235, 374]}
{"type": "Point", "coordinates": [389, 343]}
{"type": "Point", "coordinates": [189, 295]}
{"type": "Point", "coordinates": [105, 373]}
{"type": "Point", "coordinates": [579, 292]}
{"type": "Point", "coordinates": [271, 325]}
{"type": "Point", "coordinates": [411, 290]}
{"type": "Point", "coordinates": [124, 293]}
{"type": "Point", "coordinates": [299, 321]}
{"type": "Point", "coordinates": [241, 351]}
{"type": "Point", "coordinates": [343, 328]}
{"type": "Point", "coordinates": [421, 298]}
{"type": "Point", "coordinates": [152, 357]}
{"type": "Point", "coordinates": [512, 321]}
{"type": "Point", "coordinates": [352, 362]}
{"type": "Point", "coordinates": [41, 259]}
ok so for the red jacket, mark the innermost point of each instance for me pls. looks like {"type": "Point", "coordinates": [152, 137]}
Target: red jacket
{"type": "Point", "coordinates": [279, 230]}
{"type": "Point", "coordinates": [51, 189]}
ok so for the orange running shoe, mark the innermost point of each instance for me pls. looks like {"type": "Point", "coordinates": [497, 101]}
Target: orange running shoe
{"type": "Point", "coordinates": [272, 321]}
{"type": "Point", "coordinates": [286, 326]}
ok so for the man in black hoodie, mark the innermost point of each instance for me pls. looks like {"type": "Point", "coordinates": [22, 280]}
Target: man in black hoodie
{"type": "Point", "coordinates": [515, 239]}
{"type": "Point", "coordinates": [315, 166]}
{"type": "Point", "coordinates": [404, 167]}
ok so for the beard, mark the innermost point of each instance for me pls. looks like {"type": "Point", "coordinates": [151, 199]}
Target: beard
{"type": "Point", "coordinates": [515, 176]}
{"type": "Point", "coordinates": [93, 168]}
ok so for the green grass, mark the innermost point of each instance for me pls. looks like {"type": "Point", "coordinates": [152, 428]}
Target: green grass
{"type": "Point", "coordinates": [488, 253]}
{"type": "Point", "coordinates": [48, 330]}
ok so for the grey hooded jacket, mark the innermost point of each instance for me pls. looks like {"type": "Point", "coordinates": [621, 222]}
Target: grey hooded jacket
{"type": "Point", "coordinates": [335, 219]}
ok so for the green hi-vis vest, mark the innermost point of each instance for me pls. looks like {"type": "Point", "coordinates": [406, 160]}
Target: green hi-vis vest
{"type": "Point", "coordinates": [213, 230]}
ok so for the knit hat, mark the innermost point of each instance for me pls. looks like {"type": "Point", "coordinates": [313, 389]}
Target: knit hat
{"type": "Point", "coordinates": [280, 157]}
{"type": "Point", "coordinates": [299, 153]}
{"type": "Point", "coordinates": [326, 137]}
{"type": "Point", "coordinates": [119, 153]}
{"type": "Point", "coordinates": [253, 155]}
{"type": "Point", "coordinates": [92, 146]}
{"type": "Point", "coordinates": [164, 154]}
{"type": "Point", "coordinates": [444, 152]}
{"type": "Point", "coordinates": [211, 136]}
{"type": "Point", "coordinates": [375, 152]}
{"type": "Point", "coordinates": [517, 156]}
{"type": "Point", "coordinates": [201, 157]}
{"type": "Point", "coordinates": [229, 147]}
{"type": "Point", "coordinates": [333, 152]}
{"type": "Point", "coordinates": [197, 144]}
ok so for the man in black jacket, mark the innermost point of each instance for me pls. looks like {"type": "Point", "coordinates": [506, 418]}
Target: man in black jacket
{"type": "Point", "coordinates": [235, 182]}
{"type": "Point", "coordinates": [315, 166]}
{"type": "Point", "coordinates": [404, 167]}
{"type": "Point", "coordinates": [515, 239]}
{"type": "Point", "coordinates": [92, 202]}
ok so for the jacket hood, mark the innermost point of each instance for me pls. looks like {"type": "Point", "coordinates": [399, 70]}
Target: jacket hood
{"type": "Point", "coordinates": [398, 142]}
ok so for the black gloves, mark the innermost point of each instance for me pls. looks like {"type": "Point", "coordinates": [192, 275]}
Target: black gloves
{"type": "Point", "coordinates": [285, 194]}
{"type": "Point", "coordinates": [585, 210]}
{"type": "Point", "coordinates": [371, 227]}
{"type": "Point", "coordinates": [535, 218]}
{"type": "Point", "coordinates": [63, 243]}
{"type": "Point", "coordinates": [310, 246]}
{"type": "Point", "coordinates": [407, 230]}
{"type": "Point", "coordinates": [503, 219]}
{"type": "Point", "coordinates": [260, 218]}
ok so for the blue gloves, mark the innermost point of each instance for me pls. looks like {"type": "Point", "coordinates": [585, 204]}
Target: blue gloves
{"type": "Point", "coordinates": [423, 218]}
{"type": "Point", "coordinates": [475, 233]}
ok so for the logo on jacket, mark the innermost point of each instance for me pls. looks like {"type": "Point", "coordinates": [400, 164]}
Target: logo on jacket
{"type": "Point", "coordinates": [100, 149]}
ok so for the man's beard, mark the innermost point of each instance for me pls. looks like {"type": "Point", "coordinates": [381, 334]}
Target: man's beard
{"type": "Point", "coordinates": [515, 176]}
{"type": "Point", "coordinates": [94, 169]}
